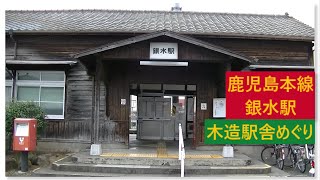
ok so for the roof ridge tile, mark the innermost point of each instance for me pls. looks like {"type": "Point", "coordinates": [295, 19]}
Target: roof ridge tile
{"type": "Point", "coordinates": [160, 11]}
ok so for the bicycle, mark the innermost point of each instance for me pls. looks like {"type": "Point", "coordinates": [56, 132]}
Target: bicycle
{"type": "Point", "coordinates": [274, 155]}
{"type": "Point", "coordinates": [289, 158]}
{"type": "Point", "coordinates": [310, 158]}
{"type": "Point", "coordinates": [298, 158]}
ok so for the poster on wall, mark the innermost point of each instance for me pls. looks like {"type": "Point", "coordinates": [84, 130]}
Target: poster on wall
{"type": "Point", "coordinates": [219, 107]}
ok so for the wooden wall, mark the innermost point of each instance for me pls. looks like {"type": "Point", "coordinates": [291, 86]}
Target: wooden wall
{"type": "Point", "coordinates": [115, 126]}
{"type": "Point", "coordinates": [78, 122]}
{"type": "Point", "coordinates": [55, 47]}
{"type": "Point", "coordinates": [270, 51]}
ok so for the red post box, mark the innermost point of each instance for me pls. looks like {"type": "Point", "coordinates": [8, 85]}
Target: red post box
{"type": "Point", "coordinates": [25, 134]}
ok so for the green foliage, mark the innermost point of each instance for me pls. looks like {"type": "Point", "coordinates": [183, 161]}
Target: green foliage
{"type": "Point", "coordinates": [24, 110]}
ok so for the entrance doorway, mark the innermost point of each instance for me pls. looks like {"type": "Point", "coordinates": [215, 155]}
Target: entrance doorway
{"type": "Point", "coordinates": [157, 110]}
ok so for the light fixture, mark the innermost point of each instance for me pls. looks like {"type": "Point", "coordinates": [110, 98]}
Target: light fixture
{"type": "Point", "coordinates": [162, 63]}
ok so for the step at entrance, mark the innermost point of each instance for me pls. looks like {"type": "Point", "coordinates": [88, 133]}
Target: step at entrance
{"type": "Point", "coordinates": [68, 167]}
{"type": "Point", "coordinates": [81, 164]}
{"type": "Point", "coordinates": [160, 160]}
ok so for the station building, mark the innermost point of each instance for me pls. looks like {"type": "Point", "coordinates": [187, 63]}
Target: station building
{"type": "Point", "coordinates": [103, 74]}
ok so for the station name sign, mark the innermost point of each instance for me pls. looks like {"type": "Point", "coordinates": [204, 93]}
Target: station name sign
{"type": "Point", "coordinates": [276, 107]}
{"type": "Point", "coordinates": [259, 131]}
{"type": "Point", "coordinates": [163, 50]}
{"type": "Point", "coordinates": [270, 95]}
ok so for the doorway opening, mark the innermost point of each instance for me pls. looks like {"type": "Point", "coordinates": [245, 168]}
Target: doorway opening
{"type": "Point", "coordinates": [157, 110]}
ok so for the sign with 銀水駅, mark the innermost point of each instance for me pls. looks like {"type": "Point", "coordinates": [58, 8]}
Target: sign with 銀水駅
{"type": "Point", "coordinates": [218, 131]}
{"type": "Point", "coordinates": [163, 50]}
{"type": "Point", "coordinates": [270, 95]}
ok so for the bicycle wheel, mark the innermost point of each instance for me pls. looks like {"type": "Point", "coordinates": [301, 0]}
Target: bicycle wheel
{"type": "Point", "coordinates": [280, 163]}
{"type": "Point", "coordinates": [289, 162]}
{"type": "Point", "coordinates": [280, 158]}
{"type": "Point", "coordinates": [287, 159]}
{"type": "Point", "coordinates": [302, 165]}
{"type": "Point", "coordinates": [292, 158]}
{"type": "Point", "coordinates": [268, 156]}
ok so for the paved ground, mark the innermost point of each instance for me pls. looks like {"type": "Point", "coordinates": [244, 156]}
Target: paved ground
{"type": "Point", "coordinates": [43, 160]}
{"type": "Point", "coordinates": [149, 147]}
{"type": "Point", "coordinates": [296, 173]}
{"type": "Point", "coordinates": [287, 172]}
{"type": "Point", "coordinates": [291, 171]}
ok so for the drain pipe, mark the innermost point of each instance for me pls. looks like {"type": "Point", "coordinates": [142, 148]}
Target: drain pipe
{"type": "Point", "coordinates": [15, 44]}
{"type": "Point", "coordinates": [12, 74]}
{"type": "Point", "coordinates": [9, 72]}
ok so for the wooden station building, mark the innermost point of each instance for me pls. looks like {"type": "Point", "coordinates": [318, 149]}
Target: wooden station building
{"type": "Point", "coordinates": [84, 66]}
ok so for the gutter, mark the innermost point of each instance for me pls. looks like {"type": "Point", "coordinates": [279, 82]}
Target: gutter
{"type": "Point", "coordinates": [280, 67]}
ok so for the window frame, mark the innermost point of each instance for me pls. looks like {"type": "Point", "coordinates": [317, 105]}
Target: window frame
{"type": "Point", "coordinates": [41, 83]}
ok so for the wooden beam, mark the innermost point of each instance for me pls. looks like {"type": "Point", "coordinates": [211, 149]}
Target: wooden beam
{"type": "Point", "coordinates": [222, 85]}
{"type": "Point", "coordinates": [228, 66]}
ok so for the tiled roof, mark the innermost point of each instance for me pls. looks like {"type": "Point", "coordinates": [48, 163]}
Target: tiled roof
{"type": "Point", "coordinates": [124, 21]}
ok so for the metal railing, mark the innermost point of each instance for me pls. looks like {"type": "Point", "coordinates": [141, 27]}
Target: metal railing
{"type": "Point", "coordinates": [309, 154]}
{"type": "Point", "coordinates": [182, 153]}
{"type": "Point", "coordinates": [311, 159]}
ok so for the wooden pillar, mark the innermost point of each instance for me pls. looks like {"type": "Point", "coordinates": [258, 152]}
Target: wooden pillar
{"type": "Point", "coordinates": [222, 86]}
{"type": "Point", "coordinates": [97, 81]}
{"type": "Point", "coordinates": [93, 109]}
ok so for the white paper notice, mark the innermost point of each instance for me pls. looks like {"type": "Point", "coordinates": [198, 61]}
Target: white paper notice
{"type": "Point", "coordinates": [22, 129]}
{"type": "Point", "coordinates": [219, 107]}
{"type": "Point", "coordinates": [123, 101]}
{"type": "Point", "coordinates": [203, 106]}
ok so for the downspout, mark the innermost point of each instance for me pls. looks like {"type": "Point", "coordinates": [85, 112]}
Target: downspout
{"type": "Point", "coordinates": [9, 72]}
{"type": "Point", "coordinates": [311, 55]}
{"type": "Point", "coordinates": [15, 44]}
{"type": "Point", "coordinates": [14, 57]}
{"type": "Point", "coordinates": [12, 73]}
{"type": "Point", "coordinates": [14, 79]}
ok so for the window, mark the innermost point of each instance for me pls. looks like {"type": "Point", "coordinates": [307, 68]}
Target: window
{"type": "Point", "coordinates": [8, 89]}
{"type": "Point", "coordinates": [45, 88]}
